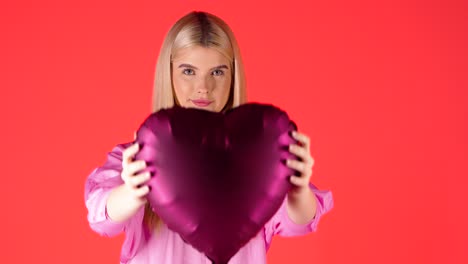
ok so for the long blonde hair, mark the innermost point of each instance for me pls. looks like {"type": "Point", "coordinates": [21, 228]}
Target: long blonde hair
{"type": "Point", "coordinates": [206, 30]}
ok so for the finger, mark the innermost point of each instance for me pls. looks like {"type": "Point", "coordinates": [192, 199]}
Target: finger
{"type": "Point", "coordinates": [301, 138]}
{"type": "Point", "coordinates": [134, 135]}
{"type": "Point", "coordinates": [298, 181]}
{"type": "Point", "coordinates": [139, 179]}
{"type": "Point", "coordinates": [124, 175]}
{"type": "Point", "coordinates": [135, 166]}
{"type": "Point", "coordinates": [128, 153]}
{"type": "Point", "coordinates": [303, 169]}
{"type": "Point", "coordinates": [296, 165]}
{"type": "Point", "coordinates": [300, 152]}
{"type": "Point", "coordinates": [142, 191]}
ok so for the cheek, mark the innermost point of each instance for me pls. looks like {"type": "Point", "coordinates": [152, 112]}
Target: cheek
{"type": "Point", "coordinates": [181, 90]}
{"type": "Point", "coordinates": [224, 86]}
{"type": "Point", "coordinates": [223, 95]}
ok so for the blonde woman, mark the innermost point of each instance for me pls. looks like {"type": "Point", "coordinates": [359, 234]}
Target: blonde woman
{"type": "Point", "coordinates": [199, 66]}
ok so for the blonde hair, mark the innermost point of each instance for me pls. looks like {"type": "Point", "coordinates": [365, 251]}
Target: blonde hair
{"type": "Point", "coordinates": [206, 30]}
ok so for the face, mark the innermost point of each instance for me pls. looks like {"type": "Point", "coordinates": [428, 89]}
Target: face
{"type": "Point", "coordinates": [201, 78]}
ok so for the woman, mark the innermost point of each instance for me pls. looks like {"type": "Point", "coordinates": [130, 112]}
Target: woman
{"type": "Point", "coordinates": [199, 66]}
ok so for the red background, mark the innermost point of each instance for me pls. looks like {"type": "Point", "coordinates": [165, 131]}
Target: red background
{"type": "Point", "coordinates": [379, 86]}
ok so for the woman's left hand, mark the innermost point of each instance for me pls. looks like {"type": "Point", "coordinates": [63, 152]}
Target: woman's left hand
{"type": "Point", "coordinates": [304, 165]}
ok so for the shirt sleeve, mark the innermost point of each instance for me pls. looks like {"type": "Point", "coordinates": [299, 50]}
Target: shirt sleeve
{"type": "Point", "coordinates": [281, 224]}
{"type": "Point", "coordinates": [97, 189]}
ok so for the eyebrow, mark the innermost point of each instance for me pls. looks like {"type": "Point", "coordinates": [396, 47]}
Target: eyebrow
{"type": "Point", "coordinates": [186, 65]}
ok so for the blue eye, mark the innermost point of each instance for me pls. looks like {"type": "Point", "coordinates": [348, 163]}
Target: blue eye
{"type": "Point", "coordinates": [188, 72]}
{"type": "Point", "coordinates": [218, 72]}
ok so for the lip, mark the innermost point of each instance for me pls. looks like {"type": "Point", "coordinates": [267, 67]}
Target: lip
{"type": "Point", "coordinates": [202, 102]}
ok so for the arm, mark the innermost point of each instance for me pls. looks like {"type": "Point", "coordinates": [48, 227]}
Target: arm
{"type": "Point", "coordinates": [125, 200]}
{"type": "Point", "coordinates": [121, 205]}
{"type": "Point", "coordinates": [301, 200]}
{"type": "Point", "coordinates": [102, 185]}
{"type": "Point", "coordinates": [282, 223]}
{"type": "Point", "coordinates": [102, 192]}
{"type": "Point", "coordinates": [301, 205]}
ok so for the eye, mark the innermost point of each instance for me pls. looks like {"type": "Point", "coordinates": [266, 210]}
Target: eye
{"type": "Point", "coordinates": [188, 72]}
{"type": "Point", "coordinates": [218, 72]}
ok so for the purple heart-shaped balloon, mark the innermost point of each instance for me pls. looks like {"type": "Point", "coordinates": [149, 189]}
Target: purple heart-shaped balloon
{"type": "Point", "coordinates": [218, 178]}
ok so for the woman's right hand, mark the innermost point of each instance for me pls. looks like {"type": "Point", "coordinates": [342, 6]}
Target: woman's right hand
{"type": "Point", "coordinates": [135, 181]}
{"type": "Point", "coordinates": [126, 199]}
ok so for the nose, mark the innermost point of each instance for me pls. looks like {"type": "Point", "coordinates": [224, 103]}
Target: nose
{"type": "Point", "coordinates": [202, 90]}
{"type": "Point", "coordinates": [204, 85]}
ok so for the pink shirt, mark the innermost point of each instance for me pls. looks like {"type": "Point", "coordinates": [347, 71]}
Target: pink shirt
{"type": "Point", "coordinates": [166, 246]}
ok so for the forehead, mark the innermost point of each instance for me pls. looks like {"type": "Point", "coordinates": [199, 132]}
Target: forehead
{"type": "Point", "coordinates": [200, 56]}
